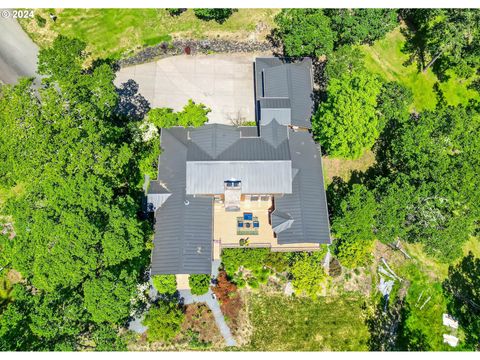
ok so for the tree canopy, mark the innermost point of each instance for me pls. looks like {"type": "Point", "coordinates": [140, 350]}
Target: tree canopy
{"type": "Point", "coordinates": [78, 242]}
{"type": "Point", "coordinates": [305, 32]}
{"type": "Point", "coordinates": [347, 122]}
{"type": "Point", "coordinates": [448, 37]}
{"type": "Point", "coordinates": [358, 26]}
{"type": "Point", "coordinates": [192, 114]}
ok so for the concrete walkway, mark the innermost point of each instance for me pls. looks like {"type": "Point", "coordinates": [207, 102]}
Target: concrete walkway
{"type": "Point", "coordinates": [213, 304]}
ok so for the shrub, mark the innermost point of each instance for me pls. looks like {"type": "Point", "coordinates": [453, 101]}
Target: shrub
{"type": "Point", "coordinates": [308, 274]}
{"type": "Point", "coordinates": [219, 15]}
{"type": "Point", "coordinates": [41, 22]}
{"type": "Point", "coordinates": [199, 283]}
{"type": "Point", "coordinates": [165, 284]}
{"type": "Point", "coordinates": [175, 11]}
{"type": "Point", "coordinates": [163, 321]}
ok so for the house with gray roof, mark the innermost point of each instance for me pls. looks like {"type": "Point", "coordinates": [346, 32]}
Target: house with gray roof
{"type": "Point", "coordinates": [222, 186]}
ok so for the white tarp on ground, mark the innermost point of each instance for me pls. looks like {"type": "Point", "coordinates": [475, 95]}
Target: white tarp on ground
{"type": "Point", "coordinates": [450, 321]}
{"type": "Point", "coordinates": [450, 340]}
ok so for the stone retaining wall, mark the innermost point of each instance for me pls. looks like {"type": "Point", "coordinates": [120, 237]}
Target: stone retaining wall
{"type": "Point", "coordinates": [192, 47]}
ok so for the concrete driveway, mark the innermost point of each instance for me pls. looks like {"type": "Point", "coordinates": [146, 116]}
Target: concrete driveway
{"type": "Point", "coordinates": [224, 83]}
{"type": "Point", "coordinates": [18, 53]}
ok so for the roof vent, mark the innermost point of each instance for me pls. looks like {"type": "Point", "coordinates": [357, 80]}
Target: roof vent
{"type": "Point", "coordinates": [186, 202]}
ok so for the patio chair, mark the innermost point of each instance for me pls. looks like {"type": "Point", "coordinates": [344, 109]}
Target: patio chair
{"type": "Point", "coordinates": [256, 224]}
{"type": "Point", "coordinates": [240, 224]}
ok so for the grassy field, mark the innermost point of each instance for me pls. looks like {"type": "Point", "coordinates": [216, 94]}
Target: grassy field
{"type": "Point", "coordinates": [386, 58]}
{"type": "Point", "coordinates": [333, 167]}
{"type": "Point", "coordinates": [425, 298]}
{"type": "Point", "coordinates": [300, 324]}
{"type": "Point", "coordinates": [114, 32]}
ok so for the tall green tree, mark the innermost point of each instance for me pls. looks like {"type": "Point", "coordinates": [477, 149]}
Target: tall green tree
{"type": "Point", "coordinates": [347, 123]}
{"type": "Point", "coordinates": [304, 32]}
{"type": "Point", "coordinates": [447, 36]}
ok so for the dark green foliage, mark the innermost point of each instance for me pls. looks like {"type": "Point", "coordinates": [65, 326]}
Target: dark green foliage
{"type": "Point", "coordinates": [163, 320]}
{"type": "Point", "coordinates": [219, 15]}
{"type": "Point", "coordinates": [192, 115]}
{"type": "Point", "coordinates": [304, 32]}
{"type": "Point", "coordinates": [447, 37]}
{"type": "Point", "coordinates": [199, 283]}
{"type": "Point", "coordinates": [433, 160]}
{"type": "Point", "coordinates": [358, 26]}
{"type": "Point", "coordinates": [353, 228]}
{"type": "Point", "coordinates": [393, 103]}
{"type": "Point", "coordinates": [463, 290]}
{"type": "Point", "coordinates": [41, 22]}
{"type": "Point", "coordinates": [175, 11]}
{"type": "Point", "coordinates": [165, 284]}
{"type": "Point", "coordinates": [347, 124]}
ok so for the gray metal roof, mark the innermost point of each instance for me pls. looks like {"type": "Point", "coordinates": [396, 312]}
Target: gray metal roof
{"type": "Point", "coordinates": [282, 116]}
{"type": "Point", "coordinates": [277, 77]}
{"type": "Point", "coordinates": [183, 224]}
{"type": "Point", "coordinates": [257, 177]}
{"type": "Point", "coordinates": [307, 205]}
{"type": "Point", "coordinates": [275, 103]}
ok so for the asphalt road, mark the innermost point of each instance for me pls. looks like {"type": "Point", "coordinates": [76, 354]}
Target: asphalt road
{"type": "Point", "coordinates": [18, 53]}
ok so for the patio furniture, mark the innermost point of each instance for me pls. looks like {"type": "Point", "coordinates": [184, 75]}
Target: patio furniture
{"type": "Point", "coordinates": [247, 216]}
{"type": "Point", "coordinates": [248, 225]}
{"type": "Point", "coordinates": [256, 224]}
{"type": "Point", "coordinates": [240, 224]}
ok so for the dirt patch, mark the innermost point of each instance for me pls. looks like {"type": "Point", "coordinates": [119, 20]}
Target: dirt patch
{"type": "Point", "coordinates": [230, 300]}
{"type": "Point", "coordinates": [199, 319]}
{"type": "Point", "coordinates": [335, 167]}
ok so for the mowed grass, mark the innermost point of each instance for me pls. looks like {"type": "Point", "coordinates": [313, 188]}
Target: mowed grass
{"type": "Point", "coordinates": [283, 323]}
{"type": "Point", "coordinates": [114, 32]}
{"type": "Point", "coordinates": [386, 58]}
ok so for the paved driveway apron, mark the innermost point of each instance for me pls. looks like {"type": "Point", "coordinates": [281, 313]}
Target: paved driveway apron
{"type": "Point", "coordinates": [224, 83]}
{"type": "Point", "coordinates": [18, 54]}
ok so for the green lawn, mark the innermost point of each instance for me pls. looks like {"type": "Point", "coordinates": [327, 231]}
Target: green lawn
{"type": "Point", "coordinates": [116, 31]}
{"type": "Point", "coordinates": [386, 58]}
{"type": "Point", "coordinates": [299, 324]}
